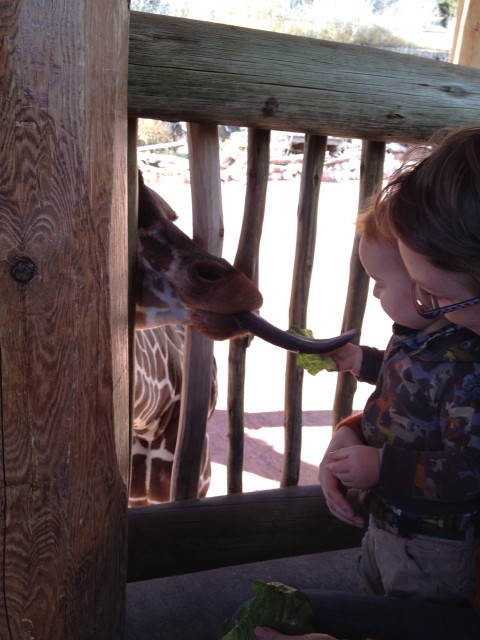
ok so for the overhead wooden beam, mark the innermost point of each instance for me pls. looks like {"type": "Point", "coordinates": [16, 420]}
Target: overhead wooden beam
{"type": "Point", "coordinates": [182, 69]}
{"type": "Point", "coordinates": [195, 535]}
{"type": "Point", "coordinates": [63, 319]}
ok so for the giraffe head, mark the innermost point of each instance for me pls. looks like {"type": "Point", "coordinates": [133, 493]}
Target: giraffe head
{"type": "Point", "coordinates": [180, 283]}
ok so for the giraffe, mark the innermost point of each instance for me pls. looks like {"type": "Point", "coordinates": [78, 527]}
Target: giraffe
{"type": "Point", "coordinates": [180, 284]}
{"type": "Point", "coordinates": [158, 372]}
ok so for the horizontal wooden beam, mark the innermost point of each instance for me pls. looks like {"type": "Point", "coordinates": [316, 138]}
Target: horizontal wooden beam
{"type": "Point", "coordinates": [188, 70]}
{"type": "Point", "coordinates": [196, 535]}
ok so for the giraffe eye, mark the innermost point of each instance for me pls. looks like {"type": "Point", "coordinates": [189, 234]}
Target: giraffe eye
{"type": "Point", "coordinates": [207, 271]}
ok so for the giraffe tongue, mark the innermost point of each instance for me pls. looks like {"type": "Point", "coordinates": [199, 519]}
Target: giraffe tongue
{"type": "Point", "coordinates": [253, 323]}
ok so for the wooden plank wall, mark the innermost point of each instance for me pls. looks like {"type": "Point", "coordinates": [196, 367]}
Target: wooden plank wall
{"type": "Point", "coordinates": [63, 319]}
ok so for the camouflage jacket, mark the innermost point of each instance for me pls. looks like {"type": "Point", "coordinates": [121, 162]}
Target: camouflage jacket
{"type": "Point", "coordinates": [425, 414]}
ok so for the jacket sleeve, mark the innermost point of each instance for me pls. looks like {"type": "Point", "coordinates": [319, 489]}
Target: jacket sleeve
{"type": "Point", "coordinates": [352, 422]}
{"type": "Point", "coordinates": [372, 360]}
{"type": "Point", "coordinates": [371, 364]}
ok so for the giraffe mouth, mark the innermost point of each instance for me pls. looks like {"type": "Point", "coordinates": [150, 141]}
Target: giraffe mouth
{"type": "Point", "coordinates": [253, 323]}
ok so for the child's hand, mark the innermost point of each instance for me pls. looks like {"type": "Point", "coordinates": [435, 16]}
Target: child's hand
{"type": "Point", "coordinates": [333, 490]}
{"type": "Point", "coordinates": [348, 358]}
{"type": "Point", "coordinates": [357, 466]}
{"type": "Point", "coordinates": [335, 497]}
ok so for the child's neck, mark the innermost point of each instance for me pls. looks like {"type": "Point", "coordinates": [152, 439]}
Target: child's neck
{"type": "Point", "coordinates": [436, 325]}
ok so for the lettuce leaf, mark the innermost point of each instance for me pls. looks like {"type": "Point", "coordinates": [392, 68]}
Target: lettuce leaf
{"type": "Point", "coordinates": [275, 605]}
{"type": "Point", "coordinates": [312, 362]}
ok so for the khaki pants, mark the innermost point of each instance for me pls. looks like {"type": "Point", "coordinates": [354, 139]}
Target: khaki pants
{"type": "Point", "coordinates": [419, 566]}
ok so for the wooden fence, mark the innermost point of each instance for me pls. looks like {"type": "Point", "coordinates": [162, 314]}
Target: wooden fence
{"type": "Point", "coordinates": [63, 247]}
{"type": "Point", "coordinates": [207, 74]}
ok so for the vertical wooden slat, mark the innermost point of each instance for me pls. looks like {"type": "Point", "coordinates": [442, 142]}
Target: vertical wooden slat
{"type": "Point", "coordinates": [315, 147]}
{"type": "Point", "coordinates": [458, 32]}
{"type": "Point", "coordinates": [63, 319]}
{"type": "Point", "coordinates": [371, 176]}
{"type": "Point", "coordinates": [466, 43]}
{"type": "Point", "coordinates": [132, 162]}
{"type": "Point", "coordinates": [204, 159]}
{"type": "Point", "coordinates": [246, 260]}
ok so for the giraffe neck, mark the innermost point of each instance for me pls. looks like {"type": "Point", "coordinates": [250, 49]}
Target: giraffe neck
{"type": "Point", "coordinates": [158, 375]}
{"type": "Point", "coordinates": [158, 381]}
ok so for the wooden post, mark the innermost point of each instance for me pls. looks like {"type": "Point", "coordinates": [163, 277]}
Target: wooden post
{"type": "Point", "coordinates": [315, 148]}
{"type": "Point", "coordinates": [466, 42]}
{"type": "Point", "coordinates": [63, 319]}
{"type": "Point", "coordinates": [371, 176]}
{"type": "Point", "coordinates": [246, 260]}
{"type": "Point", "coordinates": [198, 350]}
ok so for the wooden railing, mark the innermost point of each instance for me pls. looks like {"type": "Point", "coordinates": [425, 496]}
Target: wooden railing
{"type": "Point", "coordinates": [211, 73]}
{"type": "Point", "coordinates": [207, 74]}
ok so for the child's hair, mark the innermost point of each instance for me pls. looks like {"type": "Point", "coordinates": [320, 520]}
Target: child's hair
{"type": "Point", "coordinates": [367, 225]}
{"type": "Point", "coordinates": [433, 205]}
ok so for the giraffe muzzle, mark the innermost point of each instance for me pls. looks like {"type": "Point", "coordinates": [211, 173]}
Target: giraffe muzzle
{"type": "Point", "coordinates": [253, 323]}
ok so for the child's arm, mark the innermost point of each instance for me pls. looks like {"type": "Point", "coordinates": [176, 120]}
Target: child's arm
{"type": "Point", "coordinates": [364, 362]}
{"type": "Point", "coordinates": [333, 489]}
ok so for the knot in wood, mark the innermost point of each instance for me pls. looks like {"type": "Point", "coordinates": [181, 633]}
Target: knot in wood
{"type": "Point", "coordinates": [394, 116]}
{"type": "Point", "coordinates": [23, 269]}
{"type": "Point", "coordinates": [270, 108]}
{"type": "Point", "coordinates": [455, 90]}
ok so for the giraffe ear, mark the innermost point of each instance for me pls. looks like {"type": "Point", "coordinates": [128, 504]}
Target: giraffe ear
{"type": "Point", "coordinates": [151, 206]}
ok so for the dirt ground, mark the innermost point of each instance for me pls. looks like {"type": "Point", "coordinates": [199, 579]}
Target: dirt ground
{"type": "Point", "coordinates": [264, 394]}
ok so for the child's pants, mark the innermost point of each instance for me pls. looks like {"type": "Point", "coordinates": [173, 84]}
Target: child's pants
{"type": "Point", "coordinates": [418, 566]}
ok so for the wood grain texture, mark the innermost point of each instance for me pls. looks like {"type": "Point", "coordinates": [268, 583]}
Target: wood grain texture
{"type": "Point", "coordinates": [196, 71]}
{"type": "Point", "coordinates": [196, 535]}
{"type": "Point", "coordinates": [64, 395]}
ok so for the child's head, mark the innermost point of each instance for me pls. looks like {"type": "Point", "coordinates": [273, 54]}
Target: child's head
{"type": "Point", "coordinates": [433, 208]}
{"type": "Point", "coordinates": [382, 261]}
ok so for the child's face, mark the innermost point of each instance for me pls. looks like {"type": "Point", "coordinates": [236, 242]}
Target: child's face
{"type": "Point", "coordinates": [383, 263]}
{"type": "Point", "coordinates": [446, 287]}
